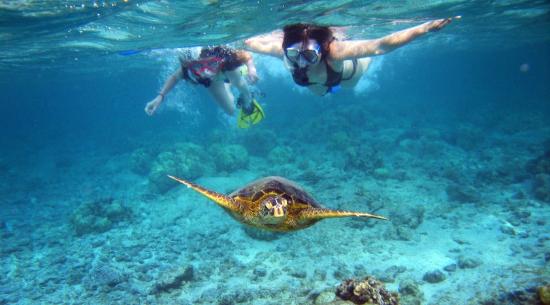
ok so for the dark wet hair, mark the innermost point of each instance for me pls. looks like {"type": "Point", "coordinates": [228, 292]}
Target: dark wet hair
{"type": "Point", "coordinates": [218, 51]}
{"type": "Point", "coordinates": [231, 60]}
{"type": "Point", "coordinates": [301, 32]}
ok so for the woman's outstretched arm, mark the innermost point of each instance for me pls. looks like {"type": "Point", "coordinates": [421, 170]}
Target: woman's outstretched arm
{"type": "Point", "coordinates": [152, 106]}
{"type": "Point", "coordinates": [268, 44]}
{"type": "Point", "coordinates": [350, 49]}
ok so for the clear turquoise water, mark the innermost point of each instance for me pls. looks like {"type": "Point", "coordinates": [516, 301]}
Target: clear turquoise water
{"type": "Point", "coordinates": [440, 136]}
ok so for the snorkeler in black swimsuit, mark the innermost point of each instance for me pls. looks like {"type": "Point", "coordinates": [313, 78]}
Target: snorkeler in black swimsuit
{"type": "Point", "coordinates": [319, 61]}
{"type": "Point", "coordinates": [309, 50]}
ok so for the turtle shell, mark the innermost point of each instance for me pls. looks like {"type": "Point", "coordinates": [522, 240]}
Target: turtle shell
{"type": "Point", "coordinates": [278, 185]}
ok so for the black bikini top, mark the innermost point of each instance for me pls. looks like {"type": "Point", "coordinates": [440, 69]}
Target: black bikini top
{"type": "Point", "coordinates": [300, 76]}
{"type": "Point", "coordinates": [333, 78]}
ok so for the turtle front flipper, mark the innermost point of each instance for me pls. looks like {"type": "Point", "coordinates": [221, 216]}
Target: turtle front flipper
{"type": "Point", "coordinates": [222, 200]}
{"type": "Point", "coordinates": [311, 214]}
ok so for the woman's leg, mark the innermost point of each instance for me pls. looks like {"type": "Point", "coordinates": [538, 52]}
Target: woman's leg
{"type": "Point", "coordinates": [239, 82]}
{"type": "Point", "coordinates": [221, 93]}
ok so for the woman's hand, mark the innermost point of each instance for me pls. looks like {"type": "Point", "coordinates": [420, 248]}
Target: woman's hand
{"type": "Point", "coordinates": [437, 25]}
{"type": "Point", "coordinates": [152, 106]}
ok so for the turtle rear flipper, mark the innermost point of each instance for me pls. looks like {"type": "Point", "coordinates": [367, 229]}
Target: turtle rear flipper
{"type": "Point", "coordinates": [222, 200]}
{"type": "Point", "coordinates": [327, 213]}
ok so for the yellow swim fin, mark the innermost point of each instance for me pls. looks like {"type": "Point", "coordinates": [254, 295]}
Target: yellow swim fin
{"type": "Point", "coordinates": [247, 120]}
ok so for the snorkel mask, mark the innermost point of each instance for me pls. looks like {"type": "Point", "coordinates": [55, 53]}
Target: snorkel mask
{"type": "Point", "coordinates": [304, 54]}
{"type": "Point", "coordinates": [205, 68]}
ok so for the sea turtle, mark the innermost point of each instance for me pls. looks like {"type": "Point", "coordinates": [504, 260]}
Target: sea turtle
{"type": "Point", "coordinates": [274, 204]}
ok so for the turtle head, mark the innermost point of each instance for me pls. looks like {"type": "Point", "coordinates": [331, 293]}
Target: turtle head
{"type": "Point", "coordinates": [274, 209]}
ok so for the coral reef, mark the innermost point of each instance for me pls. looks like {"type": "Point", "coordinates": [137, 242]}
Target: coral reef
{"type": "Point", "coordinates": [396, 232]}
{"type": "Point", "coordinates": [259, 142]}
{"type": "Point", "coordinates": [405, 221]}
{"type": "Point", "coordinates": [450, 268]}
{"type": "Point", "coordinates": [468, 262]}
{"type": "Point", "coordinates": [324, 297]}
{"type": "Point", "coordinates": [173, 279]}
{"type": "Point", "coordinates": [325, 126]}
{"type": "Point", "coordinates": [408, 216]}
{"type": "Point", "coordinates": [467, 137]}
{"type": "Point", "coordinates": [363, 158]}
{"type": "Point", "coordinates": [260, 234]}
{"type": "Point", "coordinates": [281, 155]}
{"type": "Point", "coordinates": [104, 275]}
{"type": "Point", "coordinates": [389, 274]}
{"type": "Point", "coordinates": [540, 165]}
{"type": "Point", "coordinates": [229, 157]}
{"type": "Point", "coordinates": [542, 187]}
{"type": "Point", "coordinates": [423, 146]}
{"type": "Point", "coordinates": [141, 160]}
{"type": "Point", "coordinates": [98, 216]}
{"type": "Point", "coordinates": [462, 193]}
{"type": "Point", "coordinates": [339, 140]}
{"type": "Point", "coordinates": [367, 291]}
{"type": "Point", "coordinates": [310, 176]}
{"type": "Point", "coordinates": [540, 169]}
{"type": "Point", "coordinates": [524, 296]}
{"type": "Point", "coordinates": [435, 276]}
{"type": "Point", "coordinates": [182, 159]}
{"type": "Point", "coordinates": [410, 293]}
